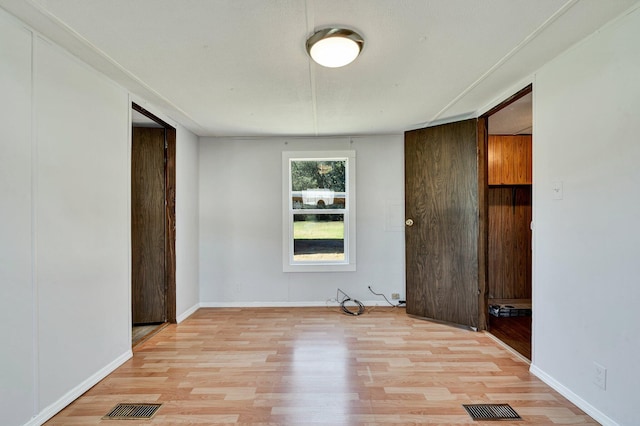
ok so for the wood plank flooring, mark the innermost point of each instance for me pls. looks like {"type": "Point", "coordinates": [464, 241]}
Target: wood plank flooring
{"type": "Point", "coordinates": [317, 366]}
{"type": "Point", "coordinates": [140, 333]}
{"type": "Point", "coordinates": [514, 331]}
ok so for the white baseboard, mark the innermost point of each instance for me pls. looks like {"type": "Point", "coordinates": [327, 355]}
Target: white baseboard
{"type": "Point", "coordinates": [74, 393]}
{"type": "Point", "coordinates": [596, 414]}
{"type": "Point", "coordinates": [285, 304]}
{"type": "Point", "coordinates": [186, 314]}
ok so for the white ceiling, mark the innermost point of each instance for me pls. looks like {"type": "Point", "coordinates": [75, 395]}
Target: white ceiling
{"type": "Point", "coordinates": [514, 119]}
{"type": "Point", "coordinates": [140, 120]}
{"type": "Point", "coordinates": [239, 67]}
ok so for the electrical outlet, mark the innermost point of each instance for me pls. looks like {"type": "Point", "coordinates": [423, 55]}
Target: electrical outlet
{"type": "Point", "coordinates": [395, 296]}
{"type": "Point", "coordinates": [599, 376]}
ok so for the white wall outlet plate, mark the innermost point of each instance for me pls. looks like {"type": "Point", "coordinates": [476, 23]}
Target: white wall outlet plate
{"type": "Point", "coordinates": [599, 376]}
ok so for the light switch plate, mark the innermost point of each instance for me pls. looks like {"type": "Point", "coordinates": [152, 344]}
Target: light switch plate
{"type": "Point", "coordinates": [557, 190]}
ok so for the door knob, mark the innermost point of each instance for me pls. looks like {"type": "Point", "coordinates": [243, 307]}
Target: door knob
{"type": "Point", "coordinates": [408, 222]}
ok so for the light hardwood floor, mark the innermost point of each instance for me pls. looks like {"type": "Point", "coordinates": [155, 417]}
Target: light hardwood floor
{"type": "Point", "coordinates": [140, 333]}
{"type": "Point", "coordinates": [316, 366]}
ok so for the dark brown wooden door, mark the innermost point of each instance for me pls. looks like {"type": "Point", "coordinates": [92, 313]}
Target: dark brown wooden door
{"type": "Point", "coordinates": [148, 292]}
{"type": "Point", "coordinates": [443, 173]}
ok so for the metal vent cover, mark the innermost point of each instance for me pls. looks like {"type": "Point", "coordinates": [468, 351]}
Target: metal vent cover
{"type": "Point", "coordinates": [132, 411]}
{"type": "Point", "coordinates": [491, 412]}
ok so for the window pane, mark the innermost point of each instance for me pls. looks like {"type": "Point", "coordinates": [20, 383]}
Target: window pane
{"type": "Point", "coordinates": [318, 184]}
{"type": "Point", "coordinates": [318, 199]}
{"type": "Point", "coordinates": [318, 237]}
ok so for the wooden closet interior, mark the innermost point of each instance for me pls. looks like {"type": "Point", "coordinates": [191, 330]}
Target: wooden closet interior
{"type": "Point", "coordinates": [509, 218]}
{"type": "Point", "coordinates": [509, 235]}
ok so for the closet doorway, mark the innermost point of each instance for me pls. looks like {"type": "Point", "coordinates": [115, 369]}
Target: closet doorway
{"type": "Point", "coordinates": [509, 152]}
{"type": "Point", "coordinates": [153, 289]}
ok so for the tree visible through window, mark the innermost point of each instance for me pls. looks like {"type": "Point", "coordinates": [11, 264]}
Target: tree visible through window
{"type": "Point", "coordinates": [318, 190]}
{"type": "Point", "coordinates": [318, 210]}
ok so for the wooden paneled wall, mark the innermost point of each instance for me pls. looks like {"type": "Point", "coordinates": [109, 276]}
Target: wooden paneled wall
{"type": "Point", "coordinates": [509, 160]}
{"type": "Point", "coordinates": [510, 242]}
{"type": "Point", "coordinates": [509, 251]}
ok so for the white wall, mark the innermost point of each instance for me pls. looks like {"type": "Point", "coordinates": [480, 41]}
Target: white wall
{"type": "Point", "coordinates": [64, 246]}
{"type": "Point", "coordinates": [81, 221]}
{"type": "Point", "coordinates": [586, 268]}
{"type": "Point", "coordinates": [187, 289]}
{"type": "Point", "coordinates": [16, 293]}
{"type": "Point", "coordinates": [65, 275]}
{"type": "Point", "coordinates": [241, 222]}
{"type": "Point", "coordinates": [65, 310]}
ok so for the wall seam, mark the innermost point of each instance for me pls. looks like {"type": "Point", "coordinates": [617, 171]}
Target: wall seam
{"type": "Point", "coordinates": [34, 253]}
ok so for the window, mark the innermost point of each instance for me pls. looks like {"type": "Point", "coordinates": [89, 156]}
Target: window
{"type": "Point", "coordinates": [319, 211]}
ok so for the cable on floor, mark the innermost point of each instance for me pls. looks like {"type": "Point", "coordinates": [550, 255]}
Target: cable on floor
{"type": "Point", "coordinates": [343, 298]}
{"type": "Point", "coordinates": [385, 298]}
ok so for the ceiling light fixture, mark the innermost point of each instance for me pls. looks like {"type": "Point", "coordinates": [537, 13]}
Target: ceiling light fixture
{"type": "Point", "coordinates": [334, 47]}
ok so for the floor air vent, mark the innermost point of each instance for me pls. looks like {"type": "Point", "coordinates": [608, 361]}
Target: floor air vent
{"type": "Point", "coordinates": [132, 411]}
{"type": "Point", "coordinates": [491, 412]}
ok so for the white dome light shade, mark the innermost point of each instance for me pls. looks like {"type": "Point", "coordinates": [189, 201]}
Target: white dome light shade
{"type": "Point", "coordinates": [334, 47]}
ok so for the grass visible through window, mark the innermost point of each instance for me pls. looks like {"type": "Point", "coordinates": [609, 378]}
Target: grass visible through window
{"type": "Point", "coordinates": [311, 230]}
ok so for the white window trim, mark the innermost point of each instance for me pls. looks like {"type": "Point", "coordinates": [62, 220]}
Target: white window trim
{"type": "Point", "coordinates": [349, 264]}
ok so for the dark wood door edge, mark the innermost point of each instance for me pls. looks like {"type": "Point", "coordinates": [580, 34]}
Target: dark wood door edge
{"type": "Point", "coordinates": [150, 115]}
{"type": "Point", "coordinates": [511, 99]}
{"type": "Point", "coordinates": [170, 223]}
{"type": "Point", "coordinates": [170, 243]}
{"type": "Point", "coordinates": [447, 323]}
{"type": "Point", "coordinates": [483, 223]}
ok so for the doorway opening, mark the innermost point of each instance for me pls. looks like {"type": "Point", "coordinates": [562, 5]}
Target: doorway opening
{"type": "Point", "coordinates": [153, 286]}
{"type": "Point", "coordinates": [509, 200]}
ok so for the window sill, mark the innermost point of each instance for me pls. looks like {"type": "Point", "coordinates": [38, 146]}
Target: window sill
{"type": "Point", "coordinates": [326, 267]}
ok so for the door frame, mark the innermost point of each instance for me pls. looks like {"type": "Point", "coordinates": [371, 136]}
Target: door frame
{"type": "Point", "coordinates": [483, 206]}
{"type": "Point", "coordinates": [482, 145]}
{"type": "Point", "coordinates": [483, 188]}
{"type": "Point", "coordinates": [482, 135]}
{"type": "Point", "coordinates": [511, 99]}
{"type": "Point", "coordinates": [170, 212]}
